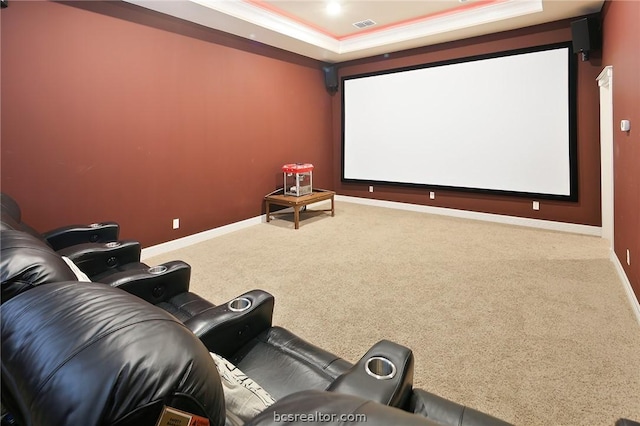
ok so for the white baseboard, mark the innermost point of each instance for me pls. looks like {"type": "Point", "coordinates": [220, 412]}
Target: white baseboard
{"type": "Point", "coordinates": [536, 223]}
{"type": "Point", "coordinates": [183, 242]}
{"type": "Point", "coordinates": [199, 237]}
{"type": "Point", "coordinates": [511, 220]}
{"type": "Point", "coordinates": [635, 305]}
{"type": "Point", "coordinates": [489, 217]}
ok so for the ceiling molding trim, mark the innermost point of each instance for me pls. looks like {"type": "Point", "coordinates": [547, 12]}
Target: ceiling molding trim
{"type": "Point", "coordinates": [463, 7]}
{"type": "Point", "coordinates": [261, 4]}
{"type": "Point", "coordinates": [272, 21]}
{"type": "Point", "coordinates": [441, 24]}
{"type": "Point", "coordinates": [267, 26]}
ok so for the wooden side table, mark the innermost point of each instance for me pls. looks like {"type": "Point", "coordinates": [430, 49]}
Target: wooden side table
{"type": "Point", "coordinates": [298, 202]}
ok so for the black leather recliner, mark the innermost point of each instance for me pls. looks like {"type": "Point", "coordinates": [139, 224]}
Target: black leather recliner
{"type": "Point", "coordinates": [27, 262]}
{"type": "Point", "coordinates": [93, 355]}
{"type": "Point", "coordinates": [94, 248]}
{"type": "Point", "coordinates": [244, 323]}
{"type": "Point", "coordinates": [241, 331]}
{"type": "Point", "coordinates": [59, 238]}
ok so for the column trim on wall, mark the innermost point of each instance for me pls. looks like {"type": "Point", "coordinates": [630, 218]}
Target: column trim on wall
{"type": "Point", "coordinates": [605, 83]}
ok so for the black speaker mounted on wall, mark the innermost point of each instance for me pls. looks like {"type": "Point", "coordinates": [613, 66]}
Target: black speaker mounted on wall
{"type": "Point", "coordinates": [4, 3]}
{"type": "Point", "coordinates": [330, 78]}
{"type": "Point", "coordinates": [586, 34]}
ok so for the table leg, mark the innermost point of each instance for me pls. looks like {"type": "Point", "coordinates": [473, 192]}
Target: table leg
{"type": "Point", "coordinates": [296, 216]}
{"type": "Point", "coordinates": [268, 215]}
{"type": "Point", "coordinates": [333, 211]}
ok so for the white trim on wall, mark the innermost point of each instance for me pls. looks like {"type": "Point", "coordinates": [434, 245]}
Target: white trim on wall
{"type": "Point", "coordinates": [510, 220]}
{"type": "Point", "coordinates": [635, 305]}
{"type": "Point", "coordinates": [189, 240]}
{"type": "Point", "coordinates": [605, 83]}
{"type": "Point", "coordinates": [183, 242]}
{"type": "Point", "coordinates": [489, 217]}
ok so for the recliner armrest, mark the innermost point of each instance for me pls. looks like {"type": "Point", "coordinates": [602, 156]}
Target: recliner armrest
{"type": "Point", "coordinates": [224, 329]}
{"type": "Point", "coordinates": [156, 284]}
{"type": "Point", "coordinates": [384, 374]}
{"type": "Point", "coordinates": [66, 236]}
{"type": "Point", "coordinates": [446, 412]}
{"type": "Point", "coordinates": [96, 258]}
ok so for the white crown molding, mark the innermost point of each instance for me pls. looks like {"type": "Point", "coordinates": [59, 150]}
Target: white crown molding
{"type": "Point", "coordinates": [272, 21]}
{"type": "Point", "coordinates": [442, 24]}
{"type": "Point", "coordinates": [422, 28]}
{"type": "Point", "coordinates": [247, 20]}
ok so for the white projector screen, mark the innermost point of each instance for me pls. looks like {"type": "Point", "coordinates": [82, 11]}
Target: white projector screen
{"type": "Point", "coordinates": [502, 123]}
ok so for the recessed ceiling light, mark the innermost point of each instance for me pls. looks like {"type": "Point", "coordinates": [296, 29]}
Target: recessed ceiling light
{"type": "Point", "coordinates": [333, 8]}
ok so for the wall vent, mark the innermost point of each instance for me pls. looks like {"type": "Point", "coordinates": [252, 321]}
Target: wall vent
{"type": "Point", "coordinates": [364, 24]}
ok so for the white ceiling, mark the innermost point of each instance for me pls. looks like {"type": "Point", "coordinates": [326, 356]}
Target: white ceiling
{"type": "Point", "coordinates": [305, 27]}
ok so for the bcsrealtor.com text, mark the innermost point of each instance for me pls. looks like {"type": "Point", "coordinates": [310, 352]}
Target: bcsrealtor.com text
{"type": "Point", "coordinates": [318, 417]}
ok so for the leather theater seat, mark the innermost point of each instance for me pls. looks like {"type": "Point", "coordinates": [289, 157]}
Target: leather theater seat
{"type": "Point", "coordinates": [102, 357]}
{"type": "Point", "coordinates": [105, 357]}
{"type": "Point", "coordinates": [59, 238]}
{"type": "Point", "coordinates": [26, 262]}
{"type": "Point", "coordinates": [241, 331]}
{"type": "Point", "coordinates": [94, 248]}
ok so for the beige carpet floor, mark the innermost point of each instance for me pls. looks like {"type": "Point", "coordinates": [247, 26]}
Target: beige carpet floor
{"type": "Point", "coordinates": [529, 325]}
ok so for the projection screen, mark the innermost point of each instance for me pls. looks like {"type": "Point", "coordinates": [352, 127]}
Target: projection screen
{"type": "Point", "coordinates": [501, 123]}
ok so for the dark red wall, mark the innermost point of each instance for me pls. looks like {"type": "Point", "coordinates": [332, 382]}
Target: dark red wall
{"type": "Point", "coordinates": [585, 211]}
{"type": "Point", "coordinates": [110, 111]}
{"type": "Point", "coordinates": [133, 116]}
{"type": "Point", "coordinates": [621, 32]}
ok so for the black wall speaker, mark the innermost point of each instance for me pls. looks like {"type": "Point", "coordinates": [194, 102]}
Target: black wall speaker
{"type": "Point", "coordinates": [586, 35]}
{"type": "Point", "coordinates": [4, 3]}
{"type": "Point", "coordinates": [330, 78]}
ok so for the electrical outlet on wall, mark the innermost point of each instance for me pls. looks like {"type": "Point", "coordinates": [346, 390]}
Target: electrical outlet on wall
{"type": "Point", "coordinates": [371, 189]}
{"type": "Point", "coordinates": [176, 223]}
{"type": "Point", "coordinates": [432, 195]}
{"type": "Point", "coordinates": [628, 257]}
{"type": "Point", "coordinates": [536, 205]}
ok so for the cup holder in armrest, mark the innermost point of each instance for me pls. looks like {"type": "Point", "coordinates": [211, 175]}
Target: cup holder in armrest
{"type": "Point", "coordinates": [226, 328]}
{"type": "Point", "coordinates": [113, 244]}
{"type": "Point", "coordinates": [384, 374]}
{"type": "Point", "coordinates": [380, 367]}
{"type": "Point", "coordinates": [95, 225]}
{"type": "Point", "coordinates": [239, 304]}
{"type": "Point", "coordinates": [156, 270]}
